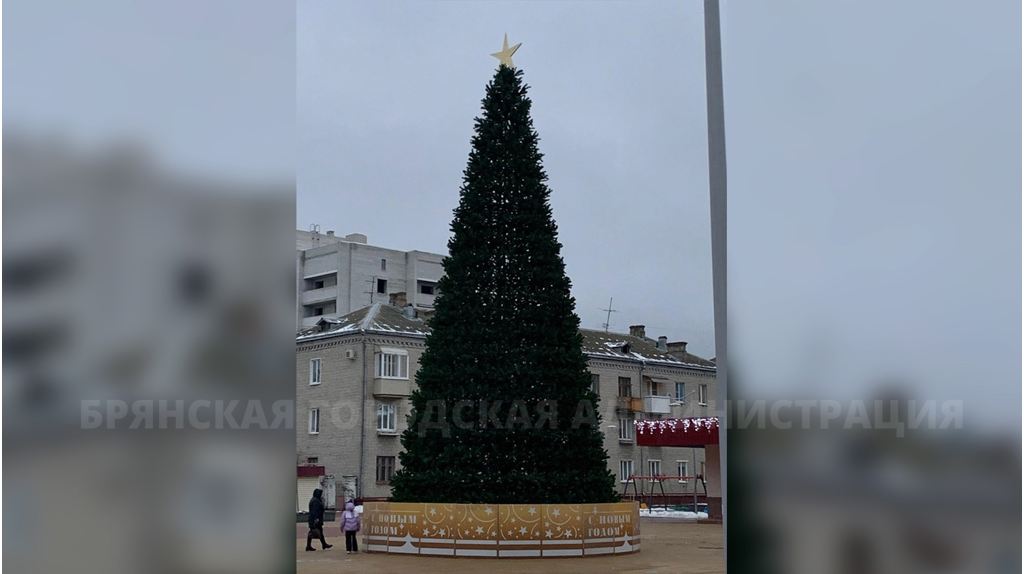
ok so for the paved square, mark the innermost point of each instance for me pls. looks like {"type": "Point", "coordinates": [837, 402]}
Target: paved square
{"type": "Point", "coordinates": [676, 547]}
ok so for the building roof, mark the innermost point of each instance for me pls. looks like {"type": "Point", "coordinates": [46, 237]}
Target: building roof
{"type": "Point", "coordinates": [381, 318]}
{"type": "Point", "coordinates": [377, 318]}
{"type": "Point", "coordinates": [614, 345]}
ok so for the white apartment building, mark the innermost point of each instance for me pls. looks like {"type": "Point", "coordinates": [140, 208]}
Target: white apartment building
{"type": "Point", "coordinates": [337, 275]}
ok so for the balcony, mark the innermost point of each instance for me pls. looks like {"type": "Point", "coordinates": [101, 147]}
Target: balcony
{"type": "Point", "coordinates": [319, 295]}
{"type": "Point", "coordinates": [392, 388]}
{"type": "Point", "coordinates": [632, 404]}
{"type": "Point", "coordinates": [657, 404]}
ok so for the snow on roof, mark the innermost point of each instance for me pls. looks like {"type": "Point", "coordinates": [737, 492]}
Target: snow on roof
{"type": "Point", "coordinates": [381, 318]}
{"type": "Point", "coordinates": [376, 318]}
{"type": "Point", "coordinates": [613, 345]}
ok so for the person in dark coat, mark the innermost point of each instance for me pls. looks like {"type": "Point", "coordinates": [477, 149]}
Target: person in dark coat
{"type": "Point", "coordinates": [316, 521]}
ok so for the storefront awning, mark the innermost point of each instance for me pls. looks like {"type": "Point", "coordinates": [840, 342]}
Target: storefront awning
{"type": "Point", "coordinates": [310, 470]}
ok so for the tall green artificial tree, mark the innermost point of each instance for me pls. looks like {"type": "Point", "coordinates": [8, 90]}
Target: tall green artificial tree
{"type": "Point", "coordinates": [504, 412]}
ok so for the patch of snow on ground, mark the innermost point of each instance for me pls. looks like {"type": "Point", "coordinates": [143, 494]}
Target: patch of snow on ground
{"type": "Point", "coordinates": [662, 513]}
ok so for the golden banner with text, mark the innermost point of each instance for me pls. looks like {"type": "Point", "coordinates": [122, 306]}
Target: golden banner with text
{"type": "Point", "coordinates": [501, 530]}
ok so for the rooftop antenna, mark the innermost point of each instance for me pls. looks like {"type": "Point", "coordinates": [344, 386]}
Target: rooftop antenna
{"type": "Point", "coordinates": [608, 320]}
{"type": "Point", "coordinates": [373, 286]}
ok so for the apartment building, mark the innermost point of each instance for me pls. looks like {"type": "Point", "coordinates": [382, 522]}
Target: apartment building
{"type": "Point", "coordinates": [338, 275]}
{"type": "Point", "coordinates": [639, 378]}
{"type": "Point", "coordinates": [355, 374]}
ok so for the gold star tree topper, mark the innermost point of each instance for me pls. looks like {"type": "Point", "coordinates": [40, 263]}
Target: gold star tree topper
{"type": "Point", "coordinates": [505, 55]}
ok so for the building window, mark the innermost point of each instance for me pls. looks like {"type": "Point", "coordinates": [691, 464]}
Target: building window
{"type": "Point", "coordinates": [385, 469]}
{"type": "Point", "coordinates": [385, 417]}
{"type": "Point", "coordinates": [318, 284]}
{"type": "Point", "coordinates": [382, 285]}
{"type": "Point", "coordinates": [314, 421]}
{"type": "Point", "coordinates": [318, 311]}
{"type": "Point", "coordinates": [312, 460]}
{"type": "Point", "coordinates": [383, 264]}
{"type": "Point", "coordinates": [625, 470]}
{"type": "Point", "coordinates": [626, 430]}
{"type": "Point", "coordinates": [681, 392]}
{"type": "Point", "coordinates": [656, 389]}
{"type": "Point", "coordinates": [314, 371]}
{"type": "Point", "coordinates": [426, 289]}
{"type": "Point", "coordinates": [393, 364]}
{"type": "Point", "coordinates": [683, 469]}
{"type": "Point", "coordinates": [655, 466]}
{"type": "Point", "coordinates": [595, 383]}
{"type": "Point", "coordinates": [625, 387]}
{"type": "Point", "coordinates": [703, 399]}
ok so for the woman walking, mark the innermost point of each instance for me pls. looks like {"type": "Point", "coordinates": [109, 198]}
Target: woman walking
{"type": "Point", "coordinates": [316, 522]}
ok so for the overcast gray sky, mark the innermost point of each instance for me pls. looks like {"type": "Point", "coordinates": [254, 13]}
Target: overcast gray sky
{"type": "Point", "coordinates": [386, 97]}
{"type": "Point", "coordinates": [873, 160]}
{"type": "Point", "coordinates": [874, 153]}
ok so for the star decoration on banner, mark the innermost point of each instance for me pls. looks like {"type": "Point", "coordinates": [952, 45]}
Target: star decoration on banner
{"type": "Point", "coordinates": [505, 55]}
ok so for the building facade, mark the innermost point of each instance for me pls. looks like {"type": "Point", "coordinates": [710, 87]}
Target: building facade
{"type": "Point", "coordinates": [337, 275]}
{"type": "Point", "coordinates": [355, 374]}
{"type": "Point", "coordinates": [641, 379]}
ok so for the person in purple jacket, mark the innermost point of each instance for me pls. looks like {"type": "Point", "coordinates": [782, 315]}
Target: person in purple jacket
{"type": "Point", "coordinates": [350, 525]}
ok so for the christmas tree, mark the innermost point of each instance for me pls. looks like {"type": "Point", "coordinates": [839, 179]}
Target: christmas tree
{"type": "Point", "coordinates": [504, 412]}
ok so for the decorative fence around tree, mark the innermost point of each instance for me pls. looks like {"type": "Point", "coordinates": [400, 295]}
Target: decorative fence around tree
{"type": "Point", "coordinates": [502, 530]}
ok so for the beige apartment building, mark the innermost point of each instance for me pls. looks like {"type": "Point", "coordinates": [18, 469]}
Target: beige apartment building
{"type": "Point", "coordinates": [355, 374]}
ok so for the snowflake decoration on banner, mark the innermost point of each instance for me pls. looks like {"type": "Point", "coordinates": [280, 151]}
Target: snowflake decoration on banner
{"type": "Point", "coordinates": [699, 423]}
